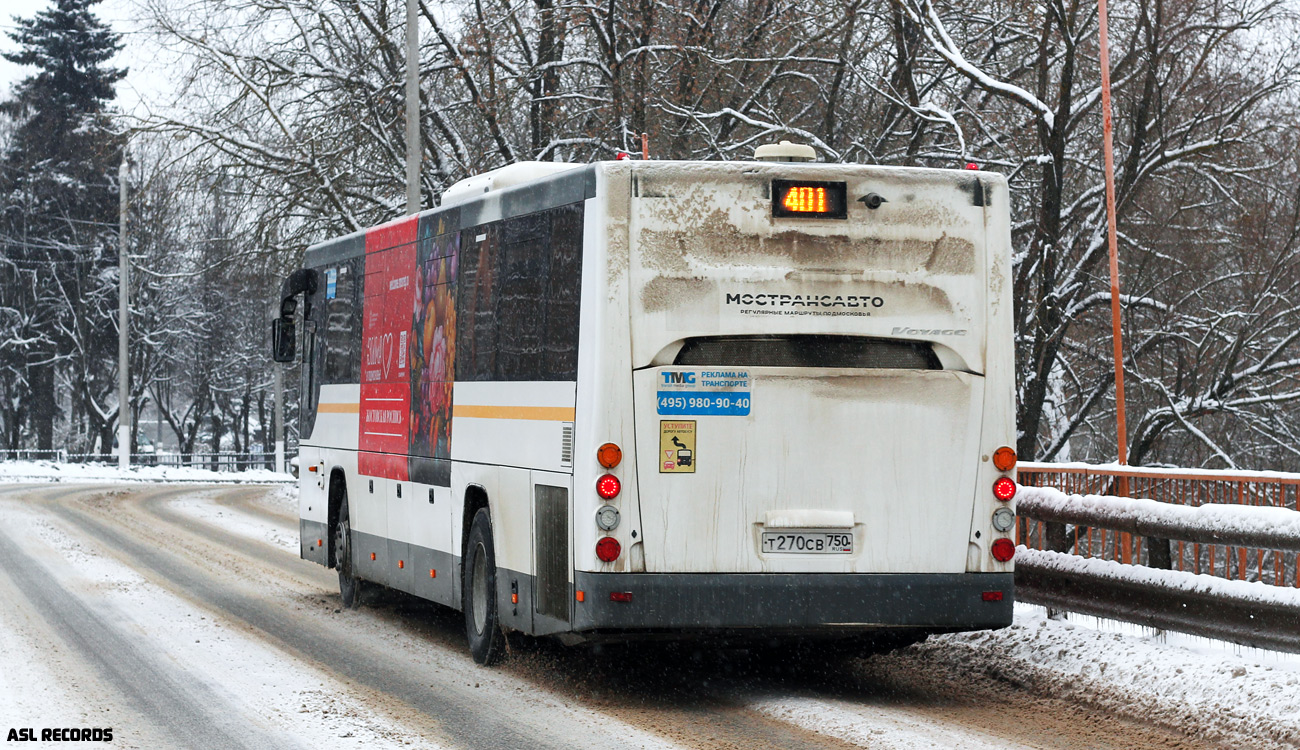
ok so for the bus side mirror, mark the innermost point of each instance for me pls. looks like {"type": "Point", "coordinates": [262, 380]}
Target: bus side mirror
{"type": "Point", "coordinates": [283, 340]}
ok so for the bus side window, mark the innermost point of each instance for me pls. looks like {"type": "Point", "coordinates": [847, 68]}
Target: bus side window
{"type": "Point", "coordinates": [476, 324]}
{"type": "Point", "coordinates": [563, 293]}
{"type": "Point", "coordinates": [342, 329]}
{"type": "Point", "coordinates": [517, 313]}
{"type": "Point", "coordinates": [310, 395]}
{"type": "Point", "coordinates": [521, 303]}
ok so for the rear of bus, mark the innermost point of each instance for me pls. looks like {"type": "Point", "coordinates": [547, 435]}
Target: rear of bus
{"type": "Point", "coordinates": [807, 372]}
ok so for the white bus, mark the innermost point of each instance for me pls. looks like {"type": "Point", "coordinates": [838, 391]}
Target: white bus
{"type": "Point", "coordinates": [675, 399]}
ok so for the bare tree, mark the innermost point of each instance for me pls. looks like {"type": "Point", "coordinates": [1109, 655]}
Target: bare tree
{"type": "Point", "coordinates": [1193, 89]}
{"type": "Point", "coordinates": [300, 105]}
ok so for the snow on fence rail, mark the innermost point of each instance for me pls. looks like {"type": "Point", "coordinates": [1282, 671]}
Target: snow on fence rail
{"type": "Point", "coordinates": [1237, 562]}
{"type": "Point", "coordinates": [223, 461]}
{"type": "Point", "coordinates": [1162, 508]}
{"type": "Point", "coordinates": [1251, 614]}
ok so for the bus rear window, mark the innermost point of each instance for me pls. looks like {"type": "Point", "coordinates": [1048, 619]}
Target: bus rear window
{"type": "Point", "coordinates": [805, 350]}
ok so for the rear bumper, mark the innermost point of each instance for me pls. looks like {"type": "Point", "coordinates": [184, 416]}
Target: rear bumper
{"type": "Point", "coordinates": [792, 602]}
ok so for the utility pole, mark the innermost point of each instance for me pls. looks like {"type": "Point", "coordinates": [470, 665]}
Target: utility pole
{"type": "Point", "coordinates": [1117, 336]}
{"type": "Point", "coordinates": [1111, 240]}
{"type": "Point", "coordinates": [413, 149]}
{"type": "Point", "coordinates": [124, 316]}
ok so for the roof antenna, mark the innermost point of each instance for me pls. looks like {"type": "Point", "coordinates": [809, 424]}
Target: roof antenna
{"type": "Point", "coordinates": [785, 151]}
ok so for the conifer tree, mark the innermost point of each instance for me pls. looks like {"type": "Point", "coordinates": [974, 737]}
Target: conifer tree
{"type": "Point", "coordinates": [58, 220]}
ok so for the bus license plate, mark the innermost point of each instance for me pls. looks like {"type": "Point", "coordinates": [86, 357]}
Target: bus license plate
{"type": "Point", "coordinates": [808, 542]}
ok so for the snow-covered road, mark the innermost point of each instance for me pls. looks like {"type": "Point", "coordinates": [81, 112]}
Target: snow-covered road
{"type": "Point", "coordinates": [180, 616]}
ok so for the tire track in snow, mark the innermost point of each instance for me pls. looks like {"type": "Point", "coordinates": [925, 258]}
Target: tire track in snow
{"type": "Point", "coordinates": [699, 721]}
{"type": "Point", "coordinates": [858, 705]}
{"type": "Point", "coordinates": [492, 717]}
{"type": "Point", "coordinates": [192, 714]}
{"type": "Point", "coordinates": [834, 709]}
{"type": "Point", "coordinates": [270, 688]}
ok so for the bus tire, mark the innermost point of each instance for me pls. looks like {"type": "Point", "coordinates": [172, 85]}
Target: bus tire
{"type": "Point", "coordinates": [349, 583]}
{"type": "Point", "coordinates": [482, 625]}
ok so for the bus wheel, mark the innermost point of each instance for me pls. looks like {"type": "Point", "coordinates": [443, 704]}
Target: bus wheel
{"type": "Point", "coordinates": [483, 628]}
{"type": "Point", "coordinates": [349, 584]}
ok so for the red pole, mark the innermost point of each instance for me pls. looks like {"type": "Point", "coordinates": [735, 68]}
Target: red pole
{"type": "Point", "coordinates": [1116, 334]}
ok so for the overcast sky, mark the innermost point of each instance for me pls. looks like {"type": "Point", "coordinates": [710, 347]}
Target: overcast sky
{"type": "Point", "coordinates": [116, 13]}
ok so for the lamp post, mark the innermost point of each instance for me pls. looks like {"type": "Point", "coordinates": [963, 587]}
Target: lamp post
{"type": "Point", "coordinates": [124, 316]}
{"type": "Point", "coordinates": [413, 149]}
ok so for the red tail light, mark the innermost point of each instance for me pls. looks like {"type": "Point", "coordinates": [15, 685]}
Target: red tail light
{"type": "Point", "coordinates": [1004, 489]}
{"type": "Point", "coordinates": [608, 487]}
{"type": "Point", "coordinates": [608, 549]}
{"type": "Point", "coordinates": [620, 596]}
{"type": "Point", "coordinates": [1003, 550]}
{"type": "Point", "coordinates": [992, 596]}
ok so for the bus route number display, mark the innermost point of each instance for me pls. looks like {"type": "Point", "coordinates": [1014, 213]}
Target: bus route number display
{"type": "Point", "coordinates": [801, 199]}
{"type": "Point", "coordinates": [716, 393]}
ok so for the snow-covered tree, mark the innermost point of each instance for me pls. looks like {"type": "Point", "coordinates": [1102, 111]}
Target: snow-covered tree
{"type": "Point", "coordinates": [307, 110]}
{"type": "Point", "coordinates": [1204, 110]}
{"type": "Point", "coordinates": [58, 220]}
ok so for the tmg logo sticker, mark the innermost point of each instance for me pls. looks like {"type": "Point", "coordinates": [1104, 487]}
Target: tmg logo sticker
{"type": "Point", "coordinates": [679, 378]}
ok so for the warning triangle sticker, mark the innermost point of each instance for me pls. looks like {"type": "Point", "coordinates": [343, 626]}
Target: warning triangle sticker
{"type": "Point", "coordinates": [668, 454]}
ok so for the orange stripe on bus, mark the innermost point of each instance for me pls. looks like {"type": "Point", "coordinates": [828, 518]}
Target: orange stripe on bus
{"type": "Point", "coordinates": [338, 408]}
{"type": "Point", "coordinates": [546, 413]}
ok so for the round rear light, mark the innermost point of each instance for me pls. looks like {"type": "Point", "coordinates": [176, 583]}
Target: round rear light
{"type": "Point", "coordinates": [1003, 550]}
{"type": "Point", "coordinates": [608, 549]}
{"type": "Point", "coordinates": [609, 455]}
{"type": "Point", "coordinates": [1004, 458]}
{"type": "Point", "coordinates": [608, 487]}
{"type": "Point", "coordinates": [1004, 489]}
{"type": "Point", "coordinates": [607, 518]}
{"type": "Point", "coordinates": [1004, 518]}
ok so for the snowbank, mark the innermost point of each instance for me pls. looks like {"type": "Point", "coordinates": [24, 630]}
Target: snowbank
{"type": "Point", "coordinates": [1234, 699]}
{"type": "Point", "coordinates": [49, 471]}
